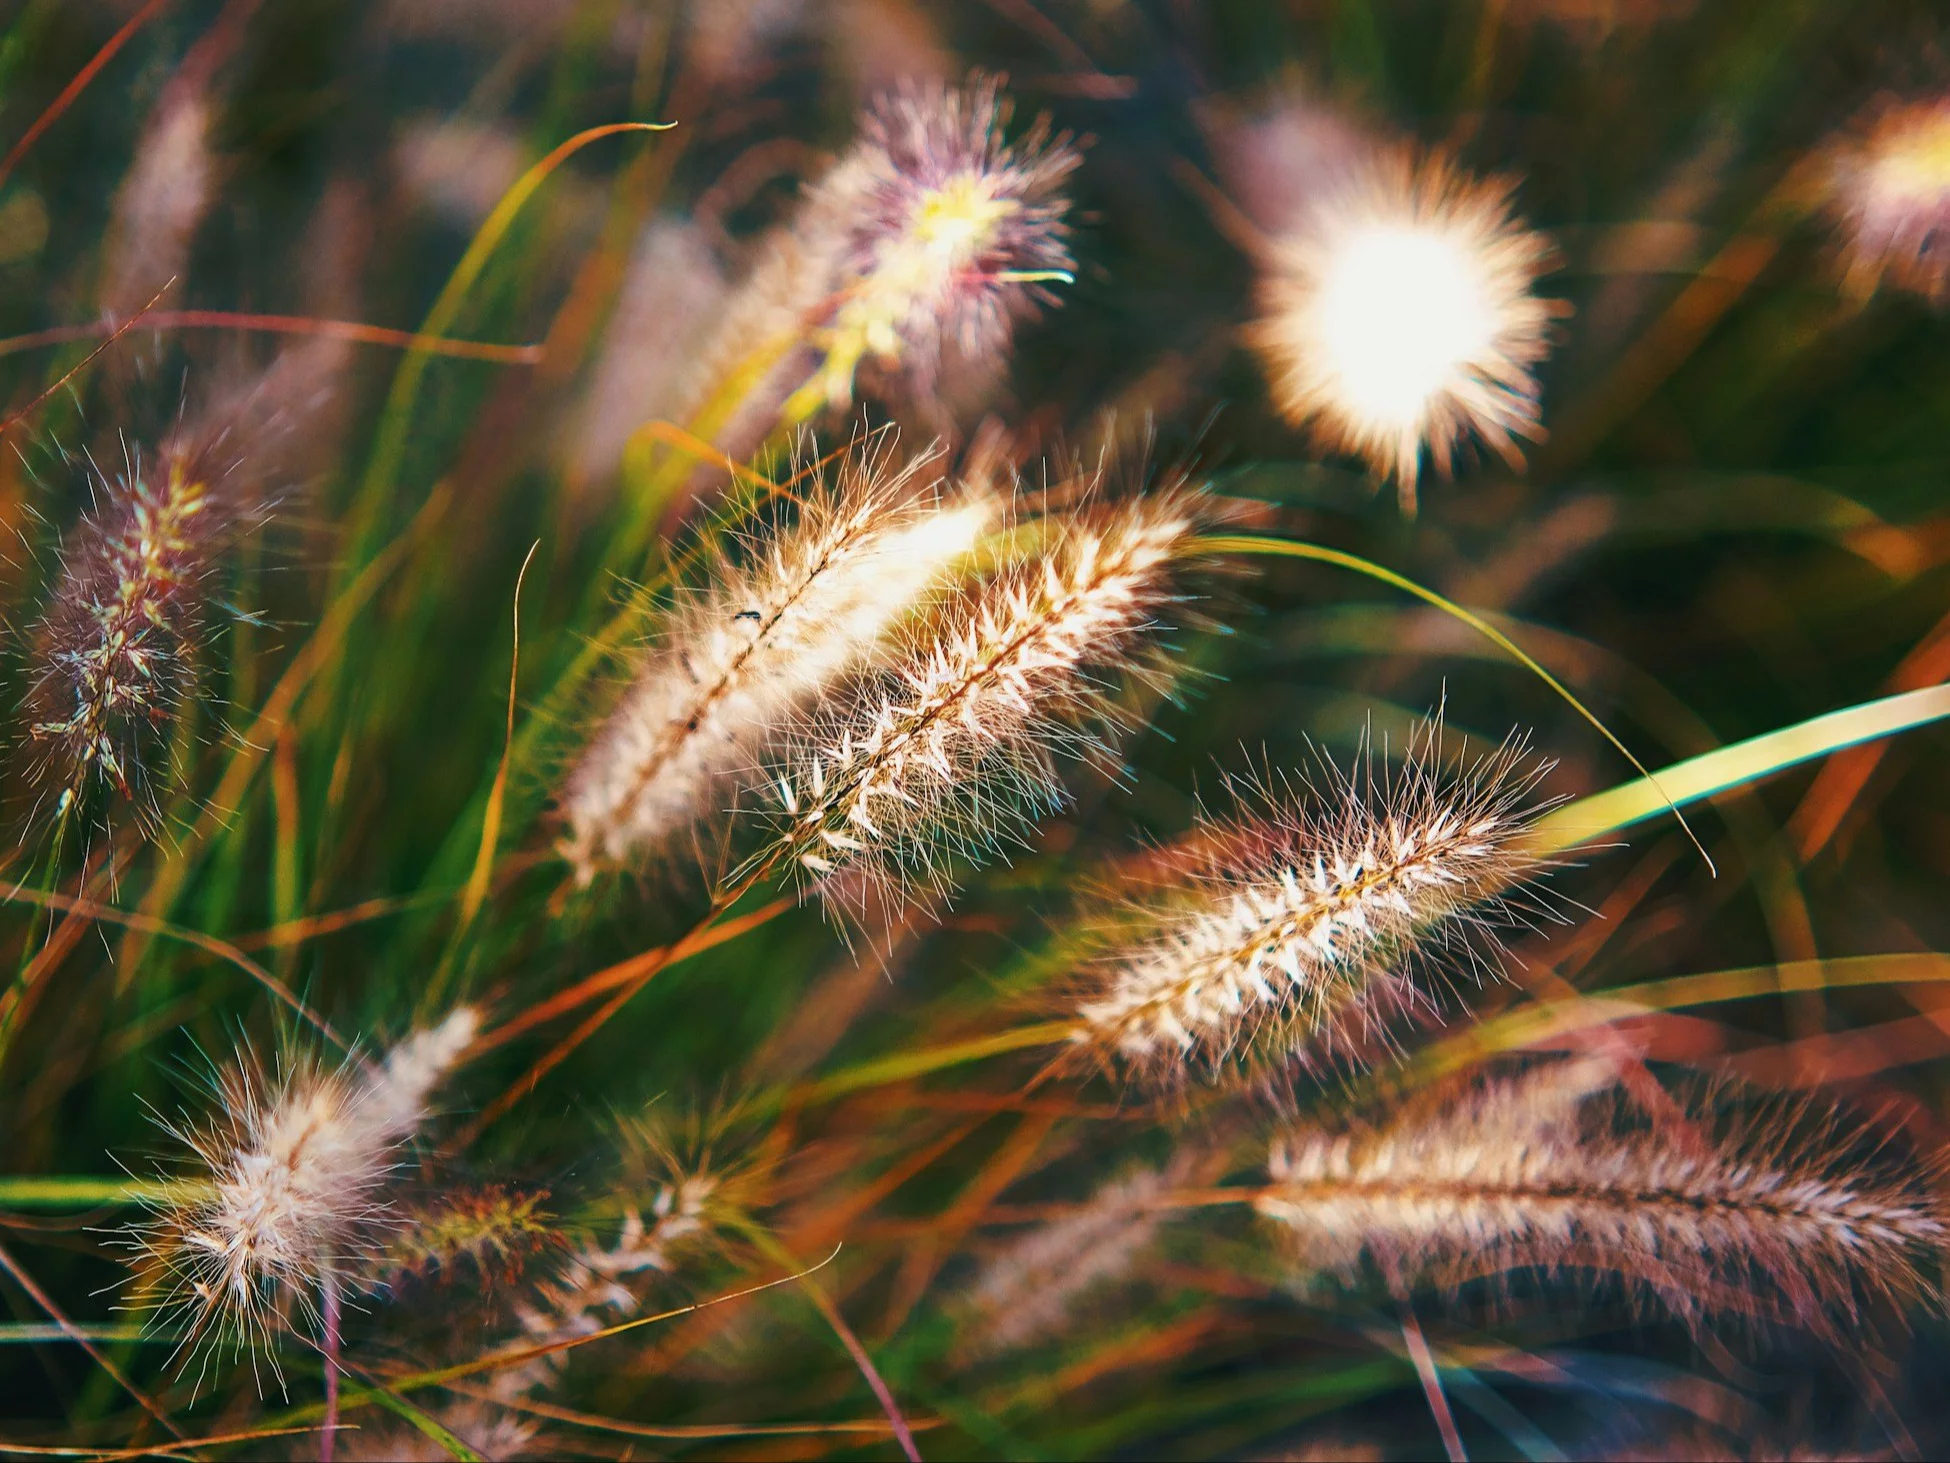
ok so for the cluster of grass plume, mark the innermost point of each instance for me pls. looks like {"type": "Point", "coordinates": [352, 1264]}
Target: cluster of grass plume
{"type": "Point", "coordinates": [717, 654]}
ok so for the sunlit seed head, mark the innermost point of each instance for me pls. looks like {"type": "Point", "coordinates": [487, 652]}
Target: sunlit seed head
{"type": "Point", "coordinates": [1398, 318]}
{"type": "Point", "coordinates": [800, 603]}
{"type": "Point", "coordinates": [1401, 311]}
{"type": "Point", "coordinates": [945, 235]}
{"type": "Point", "coordinates": [1889, 191]}
{"type": "Point", "coordinates": [289, 1192]}
{"type": "Point", "coordinates": [949, 751]}
{"type": "Point", "coordinates": [1290, 931]}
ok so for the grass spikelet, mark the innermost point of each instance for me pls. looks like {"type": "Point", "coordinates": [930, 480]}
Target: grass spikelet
{"type": "Point", "coordinates": [952, 234]}
{"type": "Point", "coordinates": [931, 234]}
{"type": "Point", "coordinates": [298, 1164]}
{"type": "Point", "coordinates": [596, 1279]}
{"type": "Point", "coordinates": [491, 1230]}
{"type": "Point", "coordinates": [1304, 916]}
{"type": "Point", "coordinates": [1399, 317]}
{"type": "Point", "coordinates": [805, 602]}
{"type": "Point", "coordinates": [952, 751]}
{"type": "Point", "coordinates": [115, 650]}
{"type": "Point", "coordinates": [1027, 1291]}
{"type": "Point", "coordinates": [1775, 1212]}
{"type": "Point", "coordinates": [1888, 190]}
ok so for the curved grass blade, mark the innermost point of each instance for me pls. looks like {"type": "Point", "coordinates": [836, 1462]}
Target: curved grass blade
{"type": "Point", "coordinates": [1316, 553]}
{"type": "Point", "coordinates": [1744, 762]}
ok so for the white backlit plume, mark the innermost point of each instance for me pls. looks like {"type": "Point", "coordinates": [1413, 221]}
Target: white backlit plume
{"type": "Point", "coordinates": [1398, 316]}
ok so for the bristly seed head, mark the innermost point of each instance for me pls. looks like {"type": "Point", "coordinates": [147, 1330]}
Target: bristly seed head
{"type": "Point", "coordinates": [114, 655]}
{"type": "Point", "coordinates": [1399, 316]}
{"type": "Point", "coordinates": [1303, 918]}
{"type": "Point", "coordinates": [951, 751]}
{"type": "Point", "coordinates": [807, 601]}
{"type": "Point", "coordinates": [1888, 189]}
{"type": "Point", "coordinates": [1774, 1213]}
{"type": "Point", "coordinates": [296, 1169]}
{"type": "Point", "coordinates": [947, 235]}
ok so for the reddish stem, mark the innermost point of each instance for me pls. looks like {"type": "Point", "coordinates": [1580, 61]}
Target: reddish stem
{"type": "Point", "coordinates": [331, 1347]}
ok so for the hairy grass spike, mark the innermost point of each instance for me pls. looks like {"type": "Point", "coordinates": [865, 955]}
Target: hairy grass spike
{"type": "Point", "coordinates": [932, 234]}
{"type": "Point", "coordinates": [807, 602]}
{"type": "Point", "coordinates": [951, 234]}
{"type": "Point", "coordinates": [1029, 1289]}
{"type": "Point", "coordinates": [1399, 317]}
{"type": "Point", "coordinates": [298, 1165]}
{"type": "Point", "coordinates": [115, 650]}
{"type": "Point", "coordinates": [1304, 916]}
{"type": "Point", "coordinates": [673, 1207]}
{"type": "Point", "coordinates": [1771, 1211]}
{"type": "Point", "coordinates": [951, 751]}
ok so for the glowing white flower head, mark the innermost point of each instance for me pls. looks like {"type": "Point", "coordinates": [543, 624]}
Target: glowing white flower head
{"type": "Point", "coordinates": [1399, 316]}
{"type": "Point", "coordinates": [1889, 189]}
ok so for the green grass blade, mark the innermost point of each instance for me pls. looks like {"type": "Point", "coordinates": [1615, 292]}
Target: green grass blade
{"type": "Point", "coordinates": [1745, 762]}
{"type": "Point", "coordinates": [1297, 549]}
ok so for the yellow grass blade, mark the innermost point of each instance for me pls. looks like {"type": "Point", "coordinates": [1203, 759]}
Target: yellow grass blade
{"type": "Point", "coordinates": [1736, 766]}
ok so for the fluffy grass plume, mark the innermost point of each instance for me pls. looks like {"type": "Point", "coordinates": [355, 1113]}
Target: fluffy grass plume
{"type": "Point", "coordinates": [1031, 1288]}
{"type": "Point", "coordinates": [951, 235]}
{"type": "Point", "coordinates": [115, 651]}
{"type": "Point", "coordinates": [931, 236]}
{"type": "Point", "coordinates": [1399, 317]}
{"type": "Point", "coordinates": [1292, 924]}
{"type": "Point", "coordinates": [290, 1189]}
{"type": "Point", "coordinates": [1760, 1209]}
{"type": "Point", "coordinates": [799, 602]}
{"type": "Point", "coordinates": [951, 751]}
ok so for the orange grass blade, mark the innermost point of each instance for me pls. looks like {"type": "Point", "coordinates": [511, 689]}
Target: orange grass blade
{"type": "Point", "coordinates": [871, 1426]}
{"type": "Point", "coordinates": [634, 975]}
{"type": "Point", "coordinates": [608, 979]}
{"type": "Point", "coordinates": [75, 87]}
{"type": "Point", "coordinates": [355, 331]}
{"type": "Point", "coordinates": [121, 330]}
{"type": "Point", "coordinates": [155, 1450]}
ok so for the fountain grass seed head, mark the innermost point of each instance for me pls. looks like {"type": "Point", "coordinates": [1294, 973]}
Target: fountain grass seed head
{"type": "Point", "coordinates": [1773, 1211]}
{"type": "Point", "coordinates": [950, 753]}
{"type": "Point", "coordinates": [291, 1193]}
{"type": "Point", "coordinates": [115, 651]}
{"type": "Point", "coordinates": [951, 235]}
{"type": "Point", "coordinates": [1888, 189]}
{"type": "Point", "coordinates": [1302, 919]}
{"type": "Point", "coordinates": [799, 602]}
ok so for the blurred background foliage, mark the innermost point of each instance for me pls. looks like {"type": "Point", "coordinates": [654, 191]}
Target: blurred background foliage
{"type": "Point", "coordinates": [1738, 522]}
